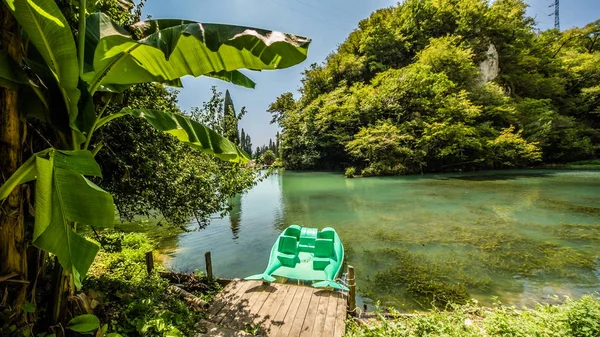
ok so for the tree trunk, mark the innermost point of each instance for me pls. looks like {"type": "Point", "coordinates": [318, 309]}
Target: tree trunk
{"type": "Point", "coordinates": [13, 244]}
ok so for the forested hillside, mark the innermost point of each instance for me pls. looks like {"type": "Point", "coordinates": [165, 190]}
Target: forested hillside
{"type": "Point", "coordinates": [434, 85]}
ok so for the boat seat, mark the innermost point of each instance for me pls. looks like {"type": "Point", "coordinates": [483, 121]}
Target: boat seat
{"type": "Point", "coordinates": [307, 239]}
{"type": "Point", "coordinates": [324, 253]}
{"type": "Point", "coordinates": [306, 248]}
{"type": "Point", "coordinates": [326, 233]}
{"type": "Point", "coordinates": [293, 230]}
{"type": "Point", "coordinates": [287, 251]}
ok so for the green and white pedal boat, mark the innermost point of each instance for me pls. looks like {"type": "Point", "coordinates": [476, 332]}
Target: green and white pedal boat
{"type": "Point", "coordinates": [306, 254]}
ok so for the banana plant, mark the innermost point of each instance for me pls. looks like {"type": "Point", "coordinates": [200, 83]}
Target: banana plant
{"type": "Point", "coordinates": [69, 82]}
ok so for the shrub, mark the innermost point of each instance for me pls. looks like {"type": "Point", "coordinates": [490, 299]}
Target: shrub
{"type": "Point", "coordinates": [350, 172]}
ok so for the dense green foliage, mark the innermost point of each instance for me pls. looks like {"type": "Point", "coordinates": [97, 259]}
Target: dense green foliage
{"type": "Point", "coordinates": [580, 318]}
{"type": "Point", "coordinates": [415, 89]}
{"type": "Point", "coordinates": [151, 173]}
{"type": "Point", "coordinates": [268, 158]}
{"type": "Point", "coordinates": [273, 147]}
{"type": "Point", "coordinates": [129, 301]}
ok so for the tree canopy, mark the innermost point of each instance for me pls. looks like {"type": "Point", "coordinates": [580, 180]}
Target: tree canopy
{"type": "Point", "coordinates": [447, 85]}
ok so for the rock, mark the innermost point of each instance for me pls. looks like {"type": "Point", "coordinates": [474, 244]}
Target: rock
{"type": "Point", "coordinates": [490, 67]}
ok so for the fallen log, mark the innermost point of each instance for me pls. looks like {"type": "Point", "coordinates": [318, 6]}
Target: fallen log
{"type": "Point", "coordinates": [196, 303]}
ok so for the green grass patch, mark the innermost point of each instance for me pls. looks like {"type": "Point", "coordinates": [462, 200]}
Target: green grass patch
{"type": "Point", "coordinates": [573, 318]}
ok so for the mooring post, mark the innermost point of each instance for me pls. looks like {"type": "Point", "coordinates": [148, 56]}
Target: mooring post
{"type": "Point", "coordinates": [149, 262]}
{"type": "Point", "coordinates": [209, 273]}
{"type": "Point", "coordinates": [352, 294]}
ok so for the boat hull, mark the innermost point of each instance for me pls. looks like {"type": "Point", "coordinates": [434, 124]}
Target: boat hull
{"type": "Point", "coordinates": [306, 254]}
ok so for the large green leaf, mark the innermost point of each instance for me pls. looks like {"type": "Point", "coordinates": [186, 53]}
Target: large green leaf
{"type": "Point", "coordinates": [234, 77]}
{"type": "Point", "coordinates": [25, 173]}
{"type": "Point", "coordinates": [169, 49]}
{"type": "Point", "coordinates": [84, 323]}
{"type": "Point", "coordinates": [99, 26]}
{"type": "Point", "coordinates": [11, 74]}
{"type": "Point", "coordinates": [63, 197]}
{"type": "Point", "coordinates": [192, 133]}
{"type": "Point", "coordinates": [48, 30]}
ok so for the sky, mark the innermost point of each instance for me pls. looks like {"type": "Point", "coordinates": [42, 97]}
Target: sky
{"type": "Point", "coordinates": [326, 22]}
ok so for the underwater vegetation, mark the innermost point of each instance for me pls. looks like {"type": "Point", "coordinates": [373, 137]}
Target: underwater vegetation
{"type": "Point", "coordinates": [584, 232]}
{"type": "Point", "coordinates": [448, 262]}
{"type": "Point", "coordinates": [570, 207]}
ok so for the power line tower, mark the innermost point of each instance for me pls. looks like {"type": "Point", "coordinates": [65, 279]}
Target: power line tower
{"type": "Point", "coordinates": [556, 14]}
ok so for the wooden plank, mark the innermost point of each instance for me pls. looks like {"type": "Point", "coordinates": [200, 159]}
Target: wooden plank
{"type": "Point", "coordinates": [224, 297]}
{"type": "Point", "coordinates": [325, 296]}
{"type": "Point", "coordinates": [296, 325]}
{"type": "Point", "coordinates": [331, 314]}
{"type": "Point", "coordinates": [309, 320]}
{"type": "Point", "coordinates": [340, 316]}
{"type": "Point", "coordinates": [232, 302]}
{"type": "Point", "coordinates": [265, 293]}
{"type": "Point", "coordinates": [247, 315]}
{"type": "Point", "coordinates": [277, 321]}
{"type": "Point", "coordinates": [291, 314]}
{"type": "Point", "coordinates": [272, 294]}
{"type": "Point", "coordinates": [241, 307]}
{"type": "Point", "coordinates": [213, 330]}
{"type": "Point", "coordinates": [270, 310]}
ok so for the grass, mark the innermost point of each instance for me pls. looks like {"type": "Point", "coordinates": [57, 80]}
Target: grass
{"type": "Point", "coordinates": [572, 318]}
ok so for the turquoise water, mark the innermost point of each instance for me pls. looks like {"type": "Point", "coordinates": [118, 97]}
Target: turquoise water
{"type": "Point", "coordinates": [520, 236]}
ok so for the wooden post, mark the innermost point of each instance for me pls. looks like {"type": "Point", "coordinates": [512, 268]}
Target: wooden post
{"type": "Point", "coordinates": [209, 273]}
{"type": "Point", "coordinates": [352, 294]}
{"type": "Point", "coordinates": [149, 262]}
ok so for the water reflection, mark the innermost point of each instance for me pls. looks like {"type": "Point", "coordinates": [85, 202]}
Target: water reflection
{"type": "Point", "coordinates": [239, 242]}
{"type": "Point", "coordinates": [235, 215]}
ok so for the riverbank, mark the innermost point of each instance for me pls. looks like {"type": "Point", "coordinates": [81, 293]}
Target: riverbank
{"type": "Point", "coordinates": [593, 164]}
{"type": "Point", "coordinates": [576, 318]}
{"type": "Point", "coordinates": [131, 302]}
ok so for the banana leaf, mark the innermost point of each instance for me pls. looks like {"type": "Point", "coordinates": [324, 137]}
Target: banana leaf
{"type": "Point", "coordinates": [65, 196]}
{"type": "Point", "coordinates": [48, 30]}
{"type": "Point", "coordinates": [189, 132]}
{"type": "Point", "coordinates": [170, 49]}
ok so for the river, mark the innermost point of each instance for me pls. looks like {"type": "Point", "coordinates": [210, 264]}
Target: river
{"type": "Point", "coordinates": [518, 237]}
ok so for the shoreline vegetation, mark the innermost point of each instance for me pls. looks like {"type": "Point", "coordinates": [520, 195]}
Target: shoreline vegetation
{"type": "Point", "coordinates": [571, 318]}
{"type": "Point", "coordinates": [121, 294]}
{"type": "Point", "coordinates": [592, 165]}
{"type": "Point", "coordinates": [119, 291]}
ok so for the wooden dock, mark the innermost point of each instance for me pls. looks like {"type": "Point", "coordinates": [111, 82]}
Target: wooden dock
{"type": "Point", "coordinates": [279, 309]}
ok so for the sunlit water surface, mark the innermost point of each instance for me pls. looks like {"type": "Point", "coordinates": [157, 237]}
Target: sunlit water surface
{"type": "Point", "coordinates": [520, 236]}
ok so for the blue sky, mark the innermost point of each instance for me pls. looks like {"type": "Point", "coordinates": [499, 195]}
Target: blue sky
{"type": "Point", "coordinates": [326, 22]}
